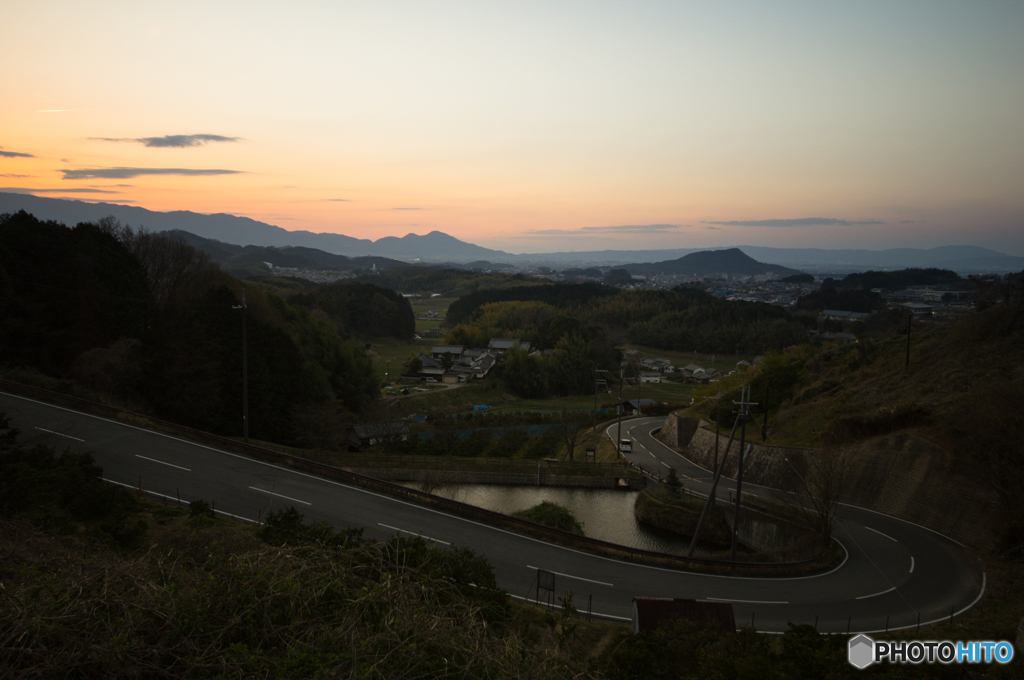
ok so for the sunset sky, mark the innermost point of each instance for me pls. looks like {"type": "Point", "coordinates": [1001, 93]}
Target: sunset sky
{"type": "Point", "coordinates": [532, 126]}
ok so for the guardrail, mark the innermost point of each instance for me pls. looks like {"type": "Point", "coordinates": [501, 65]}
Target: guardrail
{"type": "Point", "coordinates": [464, 509]}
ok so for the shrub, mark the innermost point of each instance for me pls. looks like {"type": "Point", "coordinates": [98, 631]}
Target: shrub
{"type": "Point", "coordinates": [552, 515]}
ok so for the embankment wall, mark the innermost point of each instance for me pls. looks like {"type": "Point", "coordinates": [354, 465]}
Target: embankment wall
{"type": "Point", "coordinates": [900, 474]}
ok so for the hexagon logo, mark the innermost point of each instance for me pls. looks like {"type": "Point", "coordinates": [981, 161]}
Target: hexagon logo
{"type": "Point", "coordinates": [861, 651]}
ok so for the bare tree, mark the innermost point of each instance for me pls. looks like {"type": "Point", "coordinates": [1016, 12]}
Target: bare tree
{"type": "Point", "coordinates": [823, 483]}
{"type": "Point", "coordinates": [570, 427]}
{"type": "Point", "coordinates": [173, 267]}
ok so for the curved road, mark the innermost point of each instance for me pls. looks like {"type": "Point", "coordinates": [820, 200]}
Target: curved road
{"type": "Point", "coordinates": [893, 566]}
{"type": "Point", "coordinates": [897, 573]}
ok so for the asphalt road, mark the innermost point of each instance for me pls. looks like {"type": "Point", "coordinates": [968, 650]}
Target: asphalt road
{"type": "Point", "coordinates": [896, 573]}
{"type": "Point", "coordinates": [892, 565]}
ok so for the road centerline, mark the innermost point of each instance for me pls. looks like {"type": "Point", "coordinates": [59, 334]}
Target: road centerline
{"type": "Point", "coordinates": [59, 434]}
{"type": "Point", "coordinates": [881, 534]}
{"type": "Point", "coordinates": [288, 498]}
{"type": "Point", "coordinates": [864, 597]}
{"type": "Point", "coordinates": [163, 463]}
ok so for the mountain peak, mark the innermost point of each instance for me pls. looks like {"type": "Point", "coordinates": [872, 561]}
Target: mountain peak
{"type": "Point", "coordinates": [731, 261]}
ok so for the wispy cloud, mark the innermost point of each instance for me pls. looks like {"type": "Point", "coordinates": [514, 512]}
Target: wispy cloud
{"type": "Point", "coordinates": [617, 229]}
{"type": "Point", "coordinates": [72, 190]}
{"type": "Point", "coordinates": [802, 222]}
{"type": "Point", "coordinates": [128, 173]}
{"type": "Point", "coordinates": [713, 228]}
{"type": "Point", "coordinates": [170, 141]}
{"type": "Point", "coordinates": [17, 176]}
{"type": "Point", "coordinates": [14, 154]}
{"type": "Point", "coordinates": [407, 208]}
{"type": "Point", "coordinates": [340, 200]}
{"type": "Point", "coordinates": [630, 229]}
{"type": "Point", "coordinates": [908, 221]}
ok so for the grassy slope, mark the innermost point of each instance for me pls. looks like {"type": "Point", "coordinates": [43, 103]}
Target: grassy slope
{"type": "Point", "coordinates": [951, 369]}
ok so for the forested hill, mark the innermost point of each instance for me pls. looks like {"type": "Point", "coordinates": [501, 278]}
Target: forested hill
{"type": "Point", "coordinates": [557, 295]}
{"type": "Point", "coordinates": [900, 279]}
{"type": "Point", "coordinates": [855, 292]}
{"type": "Point", "coordinates": [684, 318]}
{"type": "Point", "coordinates": [234, 257]}
{"type": "Point", "coordinates": [362, 309]}
{"type": "Point", "coordinates": [151, 323]}
{"type": "Point", "coordinates": [733, 262]}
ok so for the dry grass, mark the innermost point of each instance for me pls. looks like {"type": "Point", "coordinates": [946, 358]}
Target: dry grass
{"type": "Point", "coordinates": [210, 600]}
{"type": "Point", "coordinates": [950, 368]}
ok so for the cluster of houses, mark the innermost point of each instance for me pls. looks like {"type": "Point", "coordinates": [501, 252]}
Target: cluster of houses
{"type": "Point", "coordinates": [457, 363]}
{"type": "Point", "coordinates": [659, 370]}
{"type": "Point", "coordinates": [648, 370]}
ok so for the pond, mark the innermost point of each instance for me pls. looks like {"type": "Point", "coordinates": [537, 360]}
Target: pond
{"type": "Point", "coordinates": [606, 514]}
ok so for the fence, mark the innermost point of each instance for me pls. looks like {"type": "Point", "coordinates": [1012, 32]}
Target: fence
{"type": "Point", "coordinates": [394, 490]}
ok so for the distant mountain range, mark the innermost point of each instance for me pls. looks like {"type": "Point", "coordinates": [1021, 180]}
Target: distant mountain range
{"type": "Point", "coordinates": [442, 248]}
{"type": "Point", "coordinates": [732, 261]}
{"type": "Point", "coordinates": [231, 256]}
{"type": "Point", "coordinates": [434, 247]}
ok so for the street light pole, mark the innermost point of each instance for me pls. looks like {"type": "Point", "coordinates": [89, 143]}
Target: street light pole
{"type": "Point", "coordinates": [245, 372]}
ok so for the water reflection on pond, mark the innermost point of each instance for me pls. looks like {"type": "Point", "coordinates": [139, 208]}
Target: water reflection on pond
{"type": "Point", "coordinates": [606, 514]}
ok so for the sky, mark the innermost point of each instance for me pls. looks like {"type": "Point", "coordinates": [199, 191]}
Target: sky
{"type": "Point", "coordinates": [532, 126]}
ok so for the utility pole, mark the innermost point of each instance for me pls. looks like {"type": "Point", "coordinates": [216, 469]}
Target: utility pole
{"type": "Point", "coordinates": [618, 434]}
{"type": "Point", "coordinates": [764, 425]}
{"type": "Point", "coordinates": [910, 319]}
{"type": "Point", "coordinates": [710, 503]}
{"type": "Point", "coordinates": [597, 384]}
{"type": "Point", "coordinates": [718, 424]}
{"type": "Point", "coordinates": [744, 412]}
{"type": "Point", "coordinates": [245, 372]}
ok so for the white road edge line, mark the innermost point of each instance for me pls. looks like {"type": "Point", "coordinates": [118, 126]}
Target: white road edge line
{"type": "Point", "coordinates": [664, 463]}
{"type": "Point", "coordinates": [544, 604]}
{"type": "Point", "coordinates": [288, 498]}
{"type": "Point", "coordinates": [176, 500]}
{"type": "Point", "coordinates": [881, 534]}
{"type": "Point", "coordinates": [725, 599]}
{"type": "Point", "coordinates": [911, 564]}
{"type": "Point", "coordinates": [163, 463]}
{"type": "Point", "coordinates": [66, 436]}
{"type": "Point", "coordinates": [412, 533]}
{"type": "Point", "coordinates": [864, 597]}
{"type": "Point", "coordinates": [578, 578]}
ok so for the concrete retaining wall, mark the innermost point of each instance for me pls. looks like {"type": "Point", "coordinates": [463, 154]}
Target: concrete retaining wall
{"type": "Point", "coordinates": [438, 477]}
{"type": "Point", "coordinates": [899, 474]}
